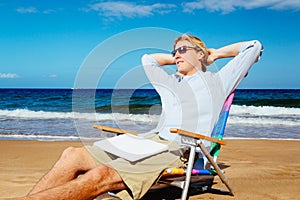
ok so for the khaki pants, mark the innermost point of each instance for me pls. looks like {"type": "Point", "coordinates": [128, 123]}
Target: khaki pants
{"type": "Point", "coordinates": [139, 176]}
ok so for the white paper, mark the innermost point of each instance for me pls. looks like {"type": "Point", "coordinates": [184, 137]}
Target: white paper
{"type": "Point", "coordinates": [131, 147]}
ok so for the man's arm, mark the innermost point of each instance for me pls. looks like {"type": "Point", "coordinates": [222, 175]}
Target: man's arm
{"type": "Point", "coordinates": [245, 55]}
{"type": "Point", "coordinates": [163, 58]}
{"type": "Point", "coordinates": [228, 51]}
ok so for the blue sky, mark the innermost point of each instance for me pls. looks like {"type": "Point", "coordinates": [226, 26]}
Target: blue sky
{"type": "Point", "coordinates": [44, 43]}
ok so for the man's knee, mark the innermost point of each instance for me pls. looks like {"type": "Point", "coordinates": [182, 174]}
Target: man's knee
{"type": "Point", "coordinates": [71, 153]}
{"type": "Point", "coordinates": [78, 157]}
{"type": "Point", "coordinates": [101, 179]}
{"type": "Point", "coordinates": [107, 175]}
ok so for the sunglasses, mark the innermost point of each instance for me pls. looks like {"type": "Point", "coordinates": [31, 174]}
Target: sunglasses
{"type": "Point", "coordinates": [182, 50]}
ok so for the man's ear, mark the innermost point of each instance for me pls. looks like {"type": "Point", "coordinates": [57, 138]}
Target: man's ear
{"type": "Point", "coordinates": [200, 55]}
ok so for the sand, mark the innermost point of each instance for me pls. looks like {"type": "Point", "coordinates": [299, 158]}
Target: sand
{"type": "Point", "coordinates": [256, 169]}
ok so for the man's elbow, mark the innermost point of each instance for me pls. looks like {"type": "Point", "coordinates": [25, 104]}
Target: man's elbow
{"type": "Point", "coordinates": [259, 48]}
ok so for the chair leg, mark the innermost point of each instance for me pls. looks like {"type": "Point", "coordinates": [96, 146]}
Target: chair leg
{"type": "Point", "coordinates": [217, 168]}
{"type": "Point", "coordinates": [188, 173]}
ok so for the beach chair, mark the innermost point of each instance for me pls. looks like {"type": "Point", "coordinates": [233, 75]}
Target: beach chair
{"type": "Point", "coordinates": [195, 167]}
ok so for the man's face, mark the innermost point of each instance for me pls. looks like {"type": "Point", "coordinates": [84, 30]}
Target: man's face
{"type": "Point", "coordinates": [187, 61]}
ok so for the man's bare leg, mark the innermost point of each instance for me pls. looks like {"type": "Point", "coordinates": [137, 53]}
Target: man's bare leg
{"type": "Point", "coordinates": [72, 162]}
{"type": "Point", "coordinates": [88, 186]}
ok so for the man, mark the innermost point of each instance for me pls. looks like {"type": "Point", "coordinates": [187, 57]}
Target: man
{"type": "Point", "coordinates": [191, 99]}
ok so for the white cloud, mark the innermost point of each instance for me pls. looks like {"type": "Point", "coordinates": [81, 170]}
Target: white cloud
{"type": "Point", "coordinates": [24, 10]}
{"type": "Point", "coordinates": [121, 9]}
{"type": "Point", "coordinates": [32, 10]}
{"type": "Point", "coordinates": [9, 75]}
{"type": "Point", "coordinates": [52, 76]}
{"type": "Point", "coordinates": [287, 5]}
{"type": "Point", "coordinates": [228, 6]}
{"type": "Point", "coordinates": [49, 11]}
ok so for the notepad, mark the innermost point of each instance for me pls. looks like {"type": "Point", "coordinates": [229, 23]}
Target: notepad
{"type": "Point", "coordinates": [131, 147]}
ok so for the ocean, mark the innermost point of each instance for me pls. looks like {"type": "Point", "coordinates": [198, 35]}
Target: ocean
{"type": "Point", "coordinates": [68, 115]}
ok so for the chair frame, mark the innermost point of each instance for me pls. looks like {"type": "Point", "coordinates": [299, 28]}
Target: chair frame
{"type": "Point", "coordinates": [194, 140]}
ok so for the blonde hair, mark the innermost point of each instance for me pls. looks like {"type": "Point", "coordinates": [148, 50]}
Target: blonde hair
{"type": "Point", "coordinates": [198, 43]}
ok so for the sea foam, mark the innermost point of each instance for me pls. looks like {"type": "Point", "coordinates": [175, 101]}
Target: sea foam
{"type": "Point", "coordinates": [256, 115]}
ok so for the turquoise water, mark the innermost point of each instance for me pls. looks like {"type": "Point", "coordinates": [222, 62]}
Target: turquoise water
{"type": "Point", "coordinates": [66, 114]}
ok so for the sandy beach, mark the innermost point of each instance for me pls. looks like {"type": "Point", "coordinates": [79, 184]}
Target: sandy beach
{"type": "Point", "coordinates": [256, 169]}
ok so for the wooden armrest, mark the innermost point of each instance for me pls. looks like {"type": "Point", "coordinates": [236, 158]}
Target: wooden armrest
{"type": "Point", "coordinates": [196, 135]}
{"type": "Point", "coordinates": [113, 130]}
